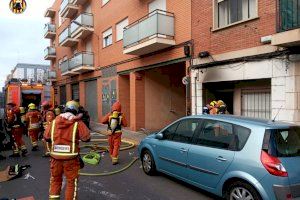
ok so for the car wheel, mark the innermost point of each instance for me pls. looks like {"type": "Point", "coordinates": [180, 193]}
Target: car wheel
{"type": "Point", "coordinates": [242, 191]}
{"type": "Point", "coordinates": [148, 163]}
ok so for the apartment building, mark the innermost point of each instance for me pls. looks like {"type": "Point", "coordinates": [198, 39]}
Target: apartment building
{"type": "Point", "coordinates": [247, 54]}
{"type": "Point", "coordinates": [134, 51]}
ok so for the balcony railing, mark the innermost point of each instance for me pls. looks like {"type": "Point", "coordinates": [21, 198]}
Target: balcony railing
{"type": "Point", "coordinates": [79, 2]}
{"type": "Point", "coordinates": [65, 38]}
{"type": "Point", "coordinates": [50, 31]}
{"type": "Point", "coordinates": [82, 26]}
{"type": "Point", "coordinates": [68, 9]}
{"type": "Point", "coordinates": [51, 75]}
{"type": "Point", "coordinates": [50, 12]}
{"type": "Point", "coordinates": [49, 53]}
{"type": "Point", "coordinates": [157, 24]}
{"type": "Point", "coordinates": [82, 62]}
{"type": "Point", "coordinates": [64, 66]}
{"type": "Point", "coordinates": [288, 15]}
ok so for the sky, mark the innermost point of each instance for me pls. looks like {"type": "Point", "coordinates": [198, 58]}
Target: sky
{"type": "Point", "coordinates": [22, 35]}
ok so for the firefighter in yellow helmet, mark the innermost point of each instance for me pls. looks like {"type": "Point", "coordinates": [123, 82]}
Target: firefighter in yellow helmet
{"type": "Point", "coordinates": [64, 134]}
{"type": "Point", "coordinates": [33, 118]}
{"type": "Point", "coordinates": [213, 108]}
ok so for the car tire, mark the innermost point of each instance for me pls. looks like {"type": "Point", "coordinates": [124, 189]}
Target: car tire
{"type": "Point", "coordinates": [148, 163]}
{"type": "Point", "coordinates": [240, 190]}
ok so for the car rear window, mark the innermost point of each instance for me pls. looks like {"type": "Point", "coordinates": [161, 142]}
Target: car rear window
{"type": "Point", "coordinates": [283, 142]}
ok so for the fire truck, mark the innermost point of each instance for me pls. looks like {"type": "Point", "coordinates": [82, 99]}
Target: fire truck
{"type": "Point", "coordinates": [24, 93]}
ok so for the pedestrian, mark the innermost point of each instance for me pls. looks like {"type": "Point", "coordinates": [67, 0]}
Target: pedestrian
{"type": "Point", "coordinates": [48, 116]}
{"type": "Point", "coordinates": [115, 121]}
{"type": "Point", "coordinates": [33, 120]}
{"type": "Point", "coordinates": [64, 134]}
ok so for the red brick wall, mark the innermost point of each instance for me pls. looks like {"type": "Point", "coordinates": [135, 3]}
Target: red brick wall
{"type": "Point", "coordinates": [240, 36]}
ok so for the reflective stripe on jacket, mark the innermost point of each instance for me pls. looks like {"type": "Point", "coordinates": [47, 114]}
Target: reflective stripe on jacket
{"type": "Point", "coordinates": [62, 149]}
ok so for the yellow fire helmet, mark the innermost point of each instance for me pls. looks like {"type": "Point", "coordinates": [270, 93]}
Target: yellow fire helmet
{"type": "Point", "coordinates": [22, 110]}
{"type": "Point", "coordinates": [213, 103]}
{"type": "Point", "coordinates": [73, 105]}
{"type": "Point", "coordinates": [32, 106]}
{"type": "Point", "coordinates": [220, 103]}
{"type": "Point", "coordinates": [57, 111]}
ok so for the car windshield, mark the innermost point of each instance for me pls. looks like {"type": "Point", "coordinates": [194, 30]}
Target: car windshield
{"type": "Point", "coordinates": [286, 142]}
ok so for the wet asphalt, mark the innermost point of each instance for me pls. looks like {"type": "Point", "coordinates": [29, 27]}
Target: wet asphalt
{"type": "Point", "coordinates": [130, 184]}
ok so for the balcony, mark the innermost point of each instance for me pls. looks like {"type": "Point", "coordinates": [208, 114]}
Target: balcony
{"type": "Point", "coordinates": [51, 75]}
{"type": "Point", "coordinates": [65, 70]}
{"type": "Point", "coordinates": [288, 24]}
{"type": "Point", "coordinates": [80, 2]}
{"type": "Point", "coordinates": [66, 40]}
{"type": "Point", "coordinates": [50, 31]}
{"type": "Point", "coordinates": [149, 34]}
{"type": "Point", "coordinates": [50, 53]}
{"type": "Point", "coordinates": [68, 9]}
{"type": "Point", "coordinates": [50, 13]}
{"type": "Point", "coordinates": [82, 26]}
{"type": "Point", "coordinates": [82, 62]}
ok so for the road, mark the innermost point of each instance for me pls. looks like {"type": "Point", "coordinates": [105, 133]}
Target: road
{"type": "Point", "coordinates": [130, 184]}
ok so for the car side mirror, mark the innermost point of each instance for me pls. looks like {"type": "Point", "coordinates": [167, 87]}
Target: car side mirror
{"type": "Point", "coordinates": [159, 136]}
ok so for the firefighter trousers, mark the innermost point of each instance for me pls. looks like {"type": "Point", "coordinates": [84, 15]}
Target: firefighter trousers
{"type": "Point", "coordinates": [114, 142]}
{"type": "Point", "coordinates": [17, 134]}
{"type": "Point", "coordinates": [69, 168]}
{"type": "Point", "coordinates": [34, 136]}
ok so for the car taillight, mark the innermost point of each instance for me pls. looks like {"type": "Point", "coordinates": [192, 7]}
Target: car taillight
{"type": "Point", "coordinates": [273, 165]}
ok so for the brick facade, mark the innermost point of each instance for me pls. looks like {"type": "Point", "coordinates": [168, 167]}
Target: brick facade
{"type": "Point", "coordinates": [130, 88]}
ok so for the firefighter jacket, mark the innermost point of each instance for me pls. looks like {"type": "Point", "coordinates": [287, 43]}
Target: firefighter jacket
{"type": "Point", "coordinates": [13, 118]}
{"type": "Point", "coordinates": [108, 119]}
{"type": "Point", "coordinates": [64, 134]}
{"type": "Point", "coordinates": [33, 119]}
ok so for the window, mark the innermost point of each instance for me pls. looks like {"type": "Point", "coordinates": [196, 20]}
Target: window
{"type": "Point", "coordinates": [231, 11]}
{"type": "Point", "coordinates": [107, 38]}
{"type": "Point", "coordinates": [75, 91]}
{"type": "Point", "coordinates": [120, 28]}
{"type": "Point", "coordinates": [157, 4]}
{"type": "Point", "coordinates": [104, 2]}
{"type": "Point", "coordinates": [169, 132]}
{"type": "Point", "coordinates": [223, 135]}
{"type": "Point", "coordinates": [284, 142]}
{"type": "Point", "coordinates": [182, 131]}
{"type": "Point", "coordinates": [256, 103]}
{"type": "Point", "coordinates": [216, 134]}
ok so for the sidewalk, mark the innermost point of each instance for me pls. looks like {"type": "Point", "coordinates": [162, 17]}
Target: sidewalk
{"type": "Point", "coordinates": [135, 137]}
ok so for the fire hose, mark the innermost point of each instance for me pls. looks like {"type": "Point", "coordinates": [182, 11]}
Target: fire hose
{"type": "Point", "coordinates": [97, 146]}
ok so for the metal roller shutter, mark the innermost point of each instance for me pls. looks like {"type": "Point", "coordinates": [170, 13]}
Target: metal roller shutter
{"type": "Point", "coordinates": [91, 99]}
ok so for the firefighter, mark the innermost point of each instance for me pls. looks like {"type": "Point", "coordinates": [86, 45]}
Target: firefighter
{"type": "Point", "coordinates": [57, 111]}
{"type": "Point", "coordinates": [48, 116]}
{"type": "Point", "coordinates": [115, 121]}
{"type": "Point", "coordinates": [16, 127]}
{"type": "Point", "coordinates": [64, 133]}
{"type": "Point", "coordinates": [222, 107]}
{"type": "Point", "coordinates": [33, 119]}
{"type": "Point", "coordinates": [213, 108]}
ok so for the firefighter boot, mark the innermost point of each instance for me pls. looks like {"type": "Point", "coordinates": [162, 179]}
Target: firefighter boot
{"type": "Point", "coordinates": [114, 160]}
{"type": "Point", "coordinates": [23, 150]}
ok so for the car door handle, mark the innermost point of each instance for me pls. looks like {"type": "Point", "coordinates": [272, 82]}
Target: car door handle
{"type": "Point", "coordinates": [220, 158]}
{"type": "Point", "coordinates": [183, 150]}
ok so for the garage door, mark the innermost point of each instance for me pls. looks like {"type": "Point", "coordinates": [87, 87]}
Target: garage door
{"type": "Point", "coordinates": [63, 95]}
{"type": "Point", "coordinates": [91, 99]}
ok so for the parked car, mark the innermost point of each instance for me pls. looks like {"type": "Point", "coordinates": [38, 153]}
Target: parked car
{"type": "Point", "coordinates": [229, 156]}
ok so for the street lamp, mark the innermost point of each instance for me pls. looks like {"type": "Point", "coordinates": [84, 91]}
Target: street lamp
{"type": "Point", "coordinates": [98, 38]}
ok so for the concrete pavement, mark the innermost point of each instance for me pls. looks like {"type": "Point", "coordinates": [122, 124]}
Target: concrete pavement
{"type": "Point", "coordinates": [132, 136]}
